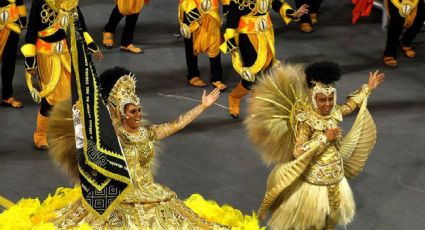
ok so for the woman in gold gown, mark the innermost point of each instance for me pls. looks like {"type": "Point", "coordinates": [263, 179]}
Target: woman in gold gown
{"type": "Point", "coordinates": [144, 203]}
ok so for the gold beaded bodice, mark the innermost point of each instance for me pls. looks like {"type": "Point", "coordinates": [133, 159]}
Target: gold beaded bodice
{"type": "Point", "coordinates": [325, 168]}
{"type": "Point", "coordinates": [139, 152]}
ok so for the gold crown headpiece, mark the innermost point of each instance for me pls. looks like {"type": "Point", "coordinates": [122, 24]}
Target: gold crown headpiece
{"type": "Point", "coordinates": [324, 89]}
{"type": "Point", "coordinates": [124, 92]}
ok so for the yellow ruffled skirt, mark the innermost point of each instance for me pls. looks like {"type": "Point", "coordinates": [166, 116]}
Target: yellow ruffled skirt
{"type": "Point", "coordinates": [32, 214]}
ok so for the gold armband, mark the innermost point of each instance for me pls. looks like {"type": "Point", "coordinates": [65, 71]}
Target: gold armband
{"type": "Point", "coordinates": [227, 46]}
{"type": "Point", "coordinates": [187, 6]}
{"type": "Point", "coordinates": [230, 33]}
{"type": "Point", "coordinates": [88, 38]}
{"type": "Point", "coordinates": [286, 18]}
{"type": "Point", "coordinates": [28, 50]}
{"type": "Point", "coordinates": [22, 11]}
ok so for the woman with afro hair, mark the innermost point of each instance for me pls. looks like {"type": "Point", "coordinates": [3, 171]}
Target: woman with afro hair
{"type": "Point", "coordinates": [294, 121]}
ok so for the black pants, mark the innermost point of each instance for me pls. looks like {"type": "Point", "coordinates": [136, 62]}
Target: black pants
{"type": "Point", "coordinates": [192, 63]}
{"type": "Point", "coordinates": [395, 29]}
{"type": "Point", "coordinates": [130, 25]}
{"type": "Point", "coordinates": [45, 107]}
{"type": "Point", "coordinates": [314, 6]}
{"type": "Point", "coordinates": [8, 67]}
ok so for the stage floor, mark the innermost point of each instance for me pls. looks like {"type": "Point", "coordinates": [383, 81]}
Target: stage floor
{"type": "Point", "coordinates": [213, 156]}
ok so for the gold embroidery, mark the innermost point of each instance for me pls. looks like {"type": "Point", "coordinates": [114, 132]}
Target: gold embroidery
{"type": "Point", "coordinates": [324, 174]}
{"type": "Point", "coordinates": [48, 15]}
{"type": "Point", "coordinates": [360, 95]}
{"type": "Point", "coordinates": [334, 196]}
{"type": "Point", "coordinates": [145, 204]}
{"type": "Point", "coordinates": [250, 4]}
{"type": "Point", "coordinates": [165, 130]}
{"type": "Point", "coordinates": [354, 100]}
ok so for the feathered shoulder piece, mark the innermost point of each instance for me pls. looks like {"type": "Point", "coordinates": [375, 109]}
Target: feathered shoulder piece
{"type": "Point", "coordinates": [61, 139]}
{"type": "Point", "coordinates": [278, 97]}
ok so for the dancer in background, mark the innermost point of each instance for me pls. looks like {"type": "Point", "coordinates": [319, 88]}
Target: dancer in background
{"type": "Point", "coordinates": [408, 14]}
{"type": "Point", "coordinates": [47, 54]}
{"type": "Point", "coordinates": [200, 23]}
{"type": "Point", "coordinates": [13, 18]}
{"type": "Point", "coordinates": [130, 9]}
{"type": "Point", "coordinates": [294, 121]}
{"type": "Point", "coordinates": [308, 20]}
{"type": "Point", "coordinates": [249, 37]}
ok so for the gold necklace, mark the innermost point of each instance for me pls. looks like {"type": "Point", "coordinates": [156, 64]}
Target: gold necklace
{"type": "Point", "coordinates": [137, 137]}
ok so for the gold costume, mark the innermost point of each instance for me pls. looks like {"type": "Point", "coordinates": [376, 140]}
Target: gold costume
{"type": "Point", "coordinates": [251, 18]}
{"type": "Point", "coordinates": [205, 27]}
{"type": "Point", "coordinates": [308, 187]}
{"type": "Point", "coordinates": [47, 54]}
{"type": "Point", "coordinates": [54, 69]}
{"type": "Point", "coordinates": [127, 7]}
{"type": "Point", "coordinates": [46, 42]}
{"type": "Point", "coordinates": [52, 58]}
{"type": "Point", "coordinates": [143, 203]}
{"type": "Point", "coordinates": [407, 8]}
{"type": "Point", "coordinates": [9, 21]}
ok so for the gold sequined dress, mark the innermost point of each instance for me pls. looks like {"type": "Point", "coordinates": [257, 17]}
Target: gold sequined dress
{"type": "Point", "coordinates": [144, 204]}
{"type": "Point", "coordinates": [320, 197]}
{"type": "Point", "coordinates": [307, 188]}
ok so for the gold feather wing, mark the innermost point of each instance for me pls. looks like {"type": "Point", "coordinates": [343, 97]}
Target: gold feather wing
{"type": "Point", "coordinates": [358, 143]}
{"type": "Point", "coordinates": [282, 176]}
{"type": "Point", "coordinates": [277, 97]}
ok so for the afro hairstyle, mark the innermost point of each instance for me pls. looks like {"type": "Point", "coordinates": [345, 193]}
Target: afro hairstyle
{"type": "Point", "coordinates": [325, 72]}
{"type": "Point", "coordinates": [109, 78]}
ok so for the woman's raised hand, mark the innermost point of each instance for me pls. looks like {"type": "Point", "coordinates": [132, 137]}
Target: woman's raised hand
{"type": "Point", "coordinates": [208, 100]}
{"type": "Point", "coordinates": [375, 79]}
